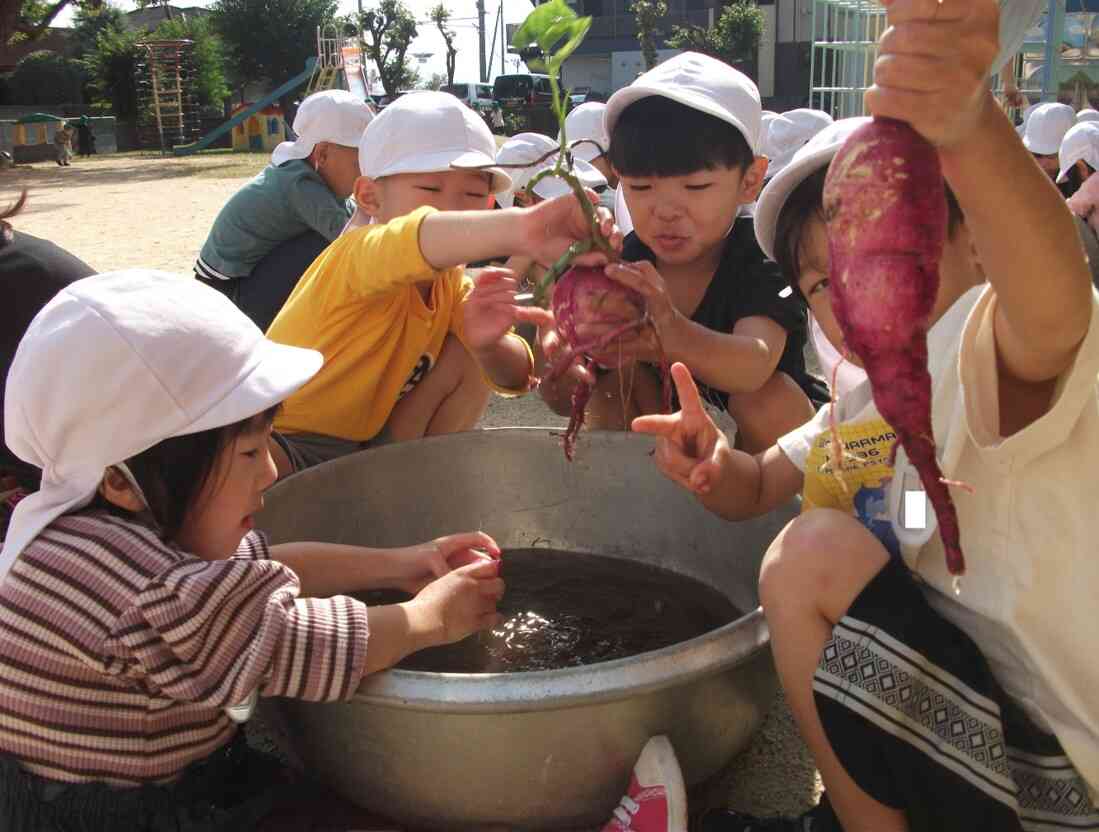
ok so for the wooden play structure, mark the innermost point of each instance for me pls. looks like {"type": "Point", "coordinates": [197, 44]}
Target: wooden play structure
{"type": "Point", "coordinates": [169, 108]}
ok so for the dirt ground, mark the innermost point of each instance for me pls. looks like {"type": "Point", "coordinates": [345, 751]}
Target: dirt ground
{"type": "Point", "coordinates": [129, 210]}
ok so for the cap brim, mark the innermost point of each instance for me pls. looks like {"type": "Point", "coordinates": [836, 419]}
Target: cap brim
{"type": "Point", "coordinates": [1039, 148]}
{"type": "Point", "coordinates": [279, 371]}
{"type": "Point", "coordinates": [286, 151]}
{"type": "Point", "coordinates": [778, 190]}
{"type": "Point", "coordinates": [445, 160]}
{"type": "Point", "coordinates": [1062, 174]}
{"type": "Point", "coordinates": [628, 95]}
{"type": "Point", "coordinates": [586, 152]}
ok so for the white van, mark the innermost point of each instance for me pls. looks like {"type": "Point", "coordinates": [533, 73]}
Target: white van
{"type": "Point", "coordinates": [476, 96]}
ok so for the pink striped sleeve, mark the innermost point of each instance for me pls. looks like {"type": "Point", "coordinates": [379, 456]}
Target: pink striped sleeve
{"type": "Point", "coordinates": [214, 631]}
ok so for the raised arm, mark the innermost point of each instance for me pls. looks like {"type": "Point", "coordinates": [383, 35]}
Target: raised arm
{"type": "Point", "coordinates": [932, 72]}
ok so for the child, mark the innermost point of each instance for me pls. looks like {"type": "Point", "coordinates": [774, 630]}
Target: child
{"type": "Point", "coordinates": [1079, 159]}
{"type": "Point", "coordinates": [268, 233]}
{"type": "Point", "coordinates": [412, 346]}
{"type": "Point", "coordinates": [530, 150]}
{"type": "Point", "coordinates": [143, 614]}
{"type": "Point", "coordinates": [63, 140]}
{"type": "Point", "coordinates": [1045, 129]}
{"type": "Point", "coordinates": [587, 136]}
{"type": "Point", "coordinates": [683, 142]}
{"type": "Point", "coordinates": [925, 709]}
{"type": "Point", "coordinates": [32, 271]}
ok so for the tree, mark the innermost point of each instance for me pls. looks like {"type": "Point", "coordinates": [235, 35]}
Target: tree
{"type": "Point", "coordinates": [440, 16]}
{"type": "Point", "coordinates": [30, 19]}
{"type": "Point", "coordinates": [112, 69]}
{"type": "Point", "coordinates": [208, 54]}
{"type": "Point", "coordinates": [88, 22]}
{"type": "Point", "coordinates": [648, 14]}
{"type": "Point", "coordinates": [269, 40]}
{"type": "Point", "coordinates": [734, 38]}
{"type": "Point", "coordinates": [44, 77]}
{"type": "Point", "coordinates": [391, 28]}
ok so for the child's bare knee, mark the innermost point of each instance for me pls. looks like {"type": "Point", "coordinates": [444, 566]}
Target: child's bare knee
{"type": "Point", "coordinates": [822, 559]}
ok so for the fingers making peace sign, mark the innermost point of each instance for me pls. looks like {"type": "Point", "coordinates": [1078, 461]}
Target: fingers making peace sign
{"type": "Point", "coordinates": [688, 442]}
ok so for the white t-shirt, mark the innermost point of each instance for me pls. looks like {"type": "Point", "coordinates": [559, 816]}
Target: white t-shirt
{"type": "Point", "coordinates": [1031, 589]}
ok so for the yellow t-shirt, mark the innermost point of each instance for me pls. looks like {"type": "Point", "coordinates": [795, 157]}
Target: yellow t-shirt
{"type": "Point", "coordinates": [358, 304]}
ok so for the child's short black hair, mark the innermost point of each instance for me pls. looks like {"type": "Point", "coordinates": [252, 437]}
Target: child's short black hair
{"type": "Point", "coordinates": [173, 472]}
{"type": "Point", "coordinates": [804, 203]}
{"type": "Point", "coordinates": [656, 136]}
{"type": "Point", "coordinates": [1074, 181]}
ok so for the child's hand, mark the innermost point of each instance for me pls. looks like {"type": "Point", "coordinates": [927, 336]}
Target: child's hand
{"type": "Point", "coordinates": [689, 444]}
{"type": "Point", "coordinates": [933, 64]}
{"type": "Point", "coordinates": [552, 226]}
{"type": "Point", "coordinates": [462, 602]}
{"type": "Point", "coordinates": [490, 310]}
{"type": "Point", "coordinates": [641, 344]}
{"type": "Point", "coordinates": [417, 566]}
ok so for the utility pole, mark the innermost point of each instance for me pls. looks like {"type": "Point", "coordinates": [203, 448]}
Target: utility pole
{"type": "Point", "coordinates": [481, 38]}
{"type": "Point", "coordinates": [503, 38]}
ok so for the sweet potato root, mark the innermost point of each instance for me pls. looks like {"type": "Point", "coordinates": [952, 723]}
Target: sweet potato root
{"type": "Point", "coordinates": [581, 294]}
{"type": "Point", "coordinates": [885, 207]}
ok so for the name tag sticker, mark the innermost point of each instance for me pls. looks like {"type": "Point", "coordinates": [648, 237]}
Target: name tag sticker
{"type": "Point", "coordinates": [915, 510]}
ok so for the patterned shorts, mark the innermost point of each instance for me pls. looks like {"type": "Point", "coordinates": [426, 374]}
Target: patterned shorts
{"type": "Point", "coordinates": [914, 714]}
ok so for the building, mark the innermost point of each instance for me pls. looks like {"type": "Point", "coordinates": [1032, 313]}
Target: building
{"type": "Point", "coordinates": [152, 16]}
{"type": "Point", "coordinates": [610, 57]}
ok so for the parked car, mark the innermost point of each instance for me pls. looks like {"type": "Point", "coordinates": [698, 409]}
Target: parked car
{"type": "Point", "coordinates": [526, 88]}
{"type": "Point", "coordinates": [475, 96]}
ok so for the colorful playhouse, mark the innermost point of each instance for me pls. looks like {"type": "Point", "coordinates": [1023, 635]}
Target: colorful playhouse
{"type": "Point", "coordinates": [260, 132]}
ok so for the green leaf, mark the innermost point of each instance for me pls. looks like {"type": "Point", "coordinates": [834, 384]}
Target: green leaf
{"type": "Point", "coordinates": [547, 26]}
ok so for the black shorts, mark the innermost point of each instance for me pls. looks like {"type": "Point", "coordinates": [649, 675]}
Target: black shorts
{"type": "Point", "coordinates": [915, 716]}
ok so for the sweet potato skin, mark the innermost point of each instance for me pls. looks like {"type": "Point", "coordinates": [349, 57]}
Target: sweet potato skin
{"type": "Point", "coordinates": [885, 208]}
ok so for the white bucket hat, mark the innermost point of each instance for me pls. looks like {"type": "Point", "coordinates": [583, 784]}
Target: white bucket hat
{"type": "Point", "coordinates": [428, 132]}
{"type": "Point", "coordinates": [586, 123]}
{"type": "Point", "coordinates": [334, 116]}
{"type": "Point", "coordinates": [1046, 128]}
{"type": "Point", "coordinates": [526, 148]}
{"type": "Point", "coordinates": [783, 135]}
{"type": "Point", "coordinates": [701, 83]}
{"type": "Point", "coordinates": [118, 362]}
{"type": "Point", "coordinates": [1081, 143]}
{"type": "Point", "coordinates": [817, 154]}
{"type": "Point", "coordinates": [1087, 114]}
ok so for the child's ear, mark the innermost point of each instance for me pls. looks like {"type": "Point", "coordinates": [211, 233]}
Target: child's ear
{"type": "Point", "coordinates": [1082, 169]}
{"type": "Point", "coordinates": [751, 183]}
{"type": "Point", "coordinates": [116, 489]}
{"type": "Point", "coordinates": [368, 196]}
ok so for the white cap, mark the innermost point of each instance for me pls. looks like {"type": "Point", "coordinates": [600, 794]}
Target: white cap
{"type": "Point", "coordinates": [1046, 128]}
{"type": "Point", "coordinates": [817, 154]}
{"type": "Point", "coordinates": [1081, 143]}
{"type": "Point", "coordinates": [328, 116]}
{"type": "Point", "coordinates": [428, 132]}
{"type": "Point", "coordinates": [1087, 114]}
{"type": "Point", "coordinates": [527, 148]}
{"type": "Point", "coordinates": [701, 83]}
{"type": "Point", "coordinates": [118, 362]}
{"type": "Point", "coordinates": [586, 122]}
{"type": "Point", "coordinates": [787, 133]}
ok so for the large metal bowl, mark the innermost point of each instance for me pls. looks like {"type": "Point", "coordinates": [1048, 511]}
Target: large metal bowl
{"type": "Point", "coordinates": [530, 750]}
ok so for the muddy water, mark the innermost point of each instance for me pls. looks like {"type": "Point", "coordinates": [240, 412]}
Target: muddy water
{"type": "Point", "coordinates": [564, 609]}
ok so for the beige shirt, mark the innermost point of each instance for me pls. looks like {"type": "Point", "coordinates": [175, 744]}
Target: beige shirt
{"type": "Point", "coordinates": [1030, 595]}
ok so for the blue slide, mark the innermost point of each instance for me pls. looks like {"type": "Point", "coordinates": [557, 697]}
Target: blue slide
{"type": "Point", "coordinates": [214, 135]}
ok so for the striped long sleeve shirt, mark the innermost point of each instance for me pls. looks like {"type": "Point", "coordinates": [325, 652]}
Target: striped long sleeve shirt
{"type": "Point", "coordinates": [118, 651]}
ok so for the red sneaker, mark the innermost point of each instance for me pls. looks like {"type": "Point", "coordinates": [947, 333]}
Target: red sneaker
{"type": "Point", "coordinates": [656, 800]}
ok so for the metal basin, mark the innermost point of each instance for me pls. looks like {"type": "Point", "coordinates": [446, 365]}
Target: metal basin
{"type": "Point", "coordinates": [542, 750]}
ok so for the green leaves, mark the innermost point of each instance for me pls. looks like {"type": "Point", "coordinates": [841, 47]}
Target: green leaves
{"type": "Point", "coordinates": [551, 25]}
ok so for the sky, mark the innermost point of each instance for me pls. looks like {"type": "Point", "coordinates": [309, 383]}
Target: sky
{"type": "Point", "coordinates": [429, 41]}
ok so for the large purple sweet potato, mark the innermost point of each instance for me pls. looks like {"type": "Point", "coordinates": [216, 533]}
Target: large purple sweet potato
{"type": "Point", "coordinates": [885, 206]}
